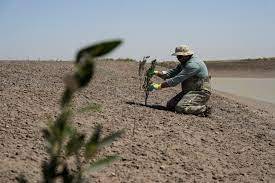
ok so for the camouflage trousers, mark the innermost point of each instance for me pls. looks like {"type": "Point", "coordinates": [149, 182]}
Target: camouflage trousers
{"type": "Point", "coordinates": [195, 93]}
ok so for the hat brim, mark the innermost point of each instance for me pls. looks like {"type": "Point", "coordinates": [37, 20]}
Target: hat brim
{"type": "Point", "coordinates": [182, 54]}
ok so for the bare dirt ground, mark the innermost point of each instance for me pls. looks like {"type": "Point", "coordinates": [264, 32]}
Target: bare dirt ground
{"type": "Point", "coordinates": [235, 144]}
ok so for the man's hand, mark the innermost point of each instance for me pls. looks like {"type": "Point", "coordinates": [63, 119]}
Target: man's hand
{"type": "Point", "coordinates": [151, 73]}
{"type": "Point", "coordinates": [153, 87]}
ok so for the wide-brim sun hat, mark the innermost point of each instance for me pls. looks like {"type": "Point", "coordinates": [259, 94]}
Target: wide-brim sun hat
{"type": "Point", "coordinates": [183, 50]}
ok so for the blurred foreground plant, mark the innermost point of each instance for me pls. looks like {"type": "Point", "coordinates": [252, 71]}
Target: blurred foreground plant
{"type": "Point", "coordinates": [64, 142]}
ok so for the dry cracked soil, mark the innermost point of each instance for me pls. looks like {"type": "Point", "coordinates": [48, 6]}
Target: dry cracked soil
{"type": "Point", "coordinates": [234, 144]}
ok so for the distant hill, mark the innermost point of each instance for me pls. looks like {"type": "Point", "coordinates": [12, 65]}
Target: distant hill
{"type": "Point", "coordinates": [259, 67]}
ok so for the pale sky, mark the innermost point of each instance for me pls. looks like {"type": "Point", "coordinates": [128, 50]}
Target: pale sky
{"type": "Point", "coordinates": [214, 29]}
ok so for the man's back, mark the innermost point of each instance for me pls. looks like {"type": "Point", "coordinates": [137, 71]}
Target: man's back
{"type": "Point", "coordinates": [193, 67]}
{"type": "Point", "coordinates": [196, 62]}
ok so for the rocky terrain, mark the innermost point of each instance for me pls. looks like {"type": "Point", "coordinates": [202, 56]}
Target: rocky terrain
{"type": "Point", "coordinates": [234, 144]}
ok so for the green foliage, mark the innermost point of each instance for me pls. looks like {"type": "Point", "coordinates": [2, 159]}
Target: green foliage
{"type": "Point", "coordinates": [63, 140]}
{"type": "Point", "coordinates": [95, 142]}
{"type": "Point", "coordinates": [91, 146]}
{"type": "Point", "coordinates": [75, 143]}
{"type": "Point", "coordinates": [97, 50]}
{"type": "Point", "coordinates": [109, 139]}
{"type": "Point", "coordinates": [93, 107]}
{"type": "Point", "coordinates": [84, 73]}
{"type": "Point", "coordinates": [67, 96]}
{"type": "Point", "coordinates": [147, 79]}
{"type": "Point", "coordinates": [102, 162]}
{"type": "Point", "coordinates": [21, 179]}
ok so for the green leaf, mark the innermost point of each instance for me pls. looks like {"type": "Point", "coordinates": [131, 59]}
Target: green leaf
{"type": "Point", "coordinates": [94, 107]}
{"type": "Point", "coordinates": [21, 179]}
{"type": "Point", "coordinates": [99, 164]}
{"type": "Point", "coordinates": [66, 175]}
{"type": "Point", "coordinates": [110, 138]}
{"type": "Point", "coordinates": [74, 144]}
{"type": "Point", "coordinates": [51, 140]}
{"type": "Point", "coordinates": [49, 169]}
{"type": "Point", "coordinates": [98, 49]}
{"type": "Point", "coordinates": [46, 134]}
{"type": "Point", "coordinates": [61, 126]}
{"type": "Point", "coordinates": [50, 136]}
{"type": "Point", "coordinates": [57, 131]}
{"type": "Point", "coordinates": [66, 97]}
{"type": "Point", "coordinates": [85, 73]}
{"type": "Point", "coordinates": [92, 146]}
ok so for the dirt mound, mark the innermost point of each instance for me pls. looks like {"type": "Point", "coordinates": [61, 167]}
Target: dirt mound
{"type": "Point", "coordinates": [235, 144]}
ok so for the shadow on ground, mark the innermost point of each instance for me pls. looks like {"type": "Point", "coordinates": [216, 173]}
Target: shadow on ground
{"type": "Point", "coordinates": [163, 108]}
{"type": "Point", "coordinates": [158, 107]}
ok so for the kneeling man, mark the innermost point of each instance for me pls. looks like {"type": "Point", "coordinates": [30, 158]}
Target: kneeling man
{"type": "Point", "coordinates": [192, 73]}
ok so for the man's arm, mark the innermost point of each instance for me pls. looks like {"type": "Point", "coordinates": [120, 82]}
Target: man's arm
{"type": "Point", "coordinates": [161, 74]}
{"type": "Point", "coordinates": [187, 72]}
{"type": "Point", "coordinates": [164, 85]}
{"type": "Point", "coordinates": [168, 74]}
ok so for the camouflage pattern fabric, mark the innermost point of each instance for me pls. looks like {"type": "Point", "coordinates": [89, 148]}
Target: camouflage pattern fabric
{"type": "Point", "coordinates": [195, 93]}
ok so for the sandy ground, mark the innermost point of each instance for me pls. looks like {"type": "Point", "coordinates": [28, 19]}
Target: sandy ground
{"type": "Point", "coordinates": [235, 144]}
